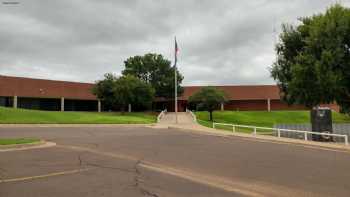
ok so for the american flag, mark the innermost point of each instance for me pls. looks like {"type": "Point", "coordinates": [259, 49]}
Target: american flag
{"type": "Point", "coordinates": [176, 51]}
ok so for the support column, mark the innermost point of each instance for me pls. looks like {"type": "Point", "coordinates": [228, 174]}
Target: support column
{"type": "Point", "coordinates": [14, 101]}
{"type": "Point", "coordinates": [99, 105]}
{"type": "Point", "coordinates": [129, 108]}
{"type": "Point", "coordinates": [222, 107]}
{"type": "Point", "coordinates": [62, 103]}
{"type": "Point", "coordinates": [268, 104]}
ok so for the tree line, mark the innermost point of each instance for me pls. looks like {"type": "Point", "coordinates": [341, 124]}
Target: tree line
{"type": "Point", "coordinates": [143, 78]}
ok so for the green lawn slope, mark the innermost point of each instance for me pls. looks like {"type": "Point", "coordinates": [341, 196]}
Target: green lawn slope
{"type": "Point", "coordinates": [264, 118]}
{"type": "Point", "coordinates": [18, 141]}
{"type": "Point", "coordinates": [23, 116]}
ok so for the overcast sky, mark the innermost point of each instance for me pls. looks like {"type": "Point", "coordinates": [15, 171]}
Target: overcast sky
{"type": "Point", "coordinates": [221, 42]}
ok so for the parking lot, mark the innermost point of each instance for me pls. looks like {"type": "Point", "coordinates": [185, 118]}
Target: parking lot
{"type": "Point", "coordinates": [144, 161]}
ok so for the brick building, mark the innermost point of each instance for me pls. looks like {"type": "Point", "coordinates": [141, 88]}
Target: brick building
{"type": "Point", "coordinates": [47, 94]}
{"type": "Point", "coordinates": [72, 96]}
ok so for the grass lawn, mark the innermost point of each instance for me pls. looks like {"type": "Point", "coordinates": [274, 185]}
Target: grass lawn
{"type": "Point", "coordinates": [263, 118]}
{"type": "Point", "coordinates": [18, 141]}
{"type": "Point", "coordinates": [23, 116]}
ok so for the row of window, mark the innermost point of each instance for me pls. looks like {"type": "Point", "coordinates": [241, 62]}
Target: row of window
{"type": "Point", "coordinates": [50, 104]}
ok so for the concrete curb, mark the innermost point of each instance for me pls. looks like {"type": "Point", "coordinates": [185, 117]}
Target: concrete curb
{"type": "Point", "coordinates": [18, 147]}
{"type": "Point", "coordinates": [261, 138]}
{"type": "Point", "coordinates": [74, 125]}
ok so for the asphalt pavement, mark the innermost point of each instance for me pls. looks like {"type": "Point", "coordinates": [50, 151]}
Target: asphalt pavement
{"type": "Point", "coordinates": [144, 161]}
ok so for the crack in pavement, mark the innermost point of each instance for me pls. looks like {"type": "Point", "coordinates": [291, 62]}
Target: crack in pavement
{"type": "Point", "coordinates": [87, 163]}
{"type": "Point", "coordinates": [253, 189]}
{"type": "Point", "coordinates": [138, 181]}
{"type": "Point", "coordinates": [80, 160]}
{"type": "Point", "coordinates": [157, 168]}
{"type": "Point", "coordinates": [135, 170]}
{"type": "Point", "coordinates": [109, 167]}
{"type": "Point", "coordinates": [147, 193]}
{"type": "Point", "coordinates": [2, 174]}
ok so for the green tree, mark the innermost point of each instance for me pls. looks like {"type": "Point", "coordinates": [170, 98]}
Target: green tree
{"type": "Point", "coordinates": [313, 59]}
{"type": "Point", "coordinates": [104, 90]}
{"type": "Point", "coordinates": [209, 99]}
{"type": "Point", "coordinates": [154, 69]}
{"type": "Point", "coordinates": [123, 91]}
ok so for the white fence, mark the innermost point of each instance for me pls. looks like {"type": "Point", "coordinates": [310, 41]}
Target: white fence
{"type": "Point", "coordinates": [338, 128]}
{"type": "Point", "coordinates": [278, 130]}
{"type": "Point", "coordinates": [161, 114]}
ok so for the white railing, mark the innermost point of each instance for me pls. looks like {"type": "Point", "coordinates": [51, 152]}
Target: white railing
{"type": "Point", "coordinates": [192, 114]}
{"type": "Point", "coordinates": [234, 126]}
{"type": "Point", "coordinates": [161, 114]}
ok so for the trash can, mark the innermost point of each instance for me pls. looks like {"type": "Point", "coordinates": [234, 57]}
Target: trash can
{"type": "Point", "coordinates": [321, 121]}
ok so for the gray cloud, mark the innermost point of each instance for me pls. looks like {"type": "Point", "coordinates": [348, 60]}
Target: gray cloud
{"type": "Point", "coordinates": [221, 42]}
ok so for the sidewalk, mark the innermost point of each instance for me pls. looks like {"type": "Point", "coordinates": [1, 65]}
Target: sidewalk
{"type": "Point", "coordinates": [183, 118]}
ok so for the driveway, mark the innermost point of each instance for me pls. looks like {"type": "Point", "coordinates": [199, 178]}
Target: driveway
{"type": "Point", "coordinates": [144, 161]}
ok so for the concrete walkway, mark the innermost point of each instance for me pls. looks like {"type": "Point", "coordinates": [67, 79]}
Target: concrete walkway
{"type": "Point", "coordinates": [183, 118]}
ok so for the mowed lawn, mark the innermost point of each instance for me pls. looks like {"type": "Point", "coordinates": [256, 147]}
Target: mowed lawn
{"type": "Point", "coordinates": [264, 118]}
{"type": "Point", "coordinates": [23, 116]}
{"type": "Point", "coordinates": [18, 141]}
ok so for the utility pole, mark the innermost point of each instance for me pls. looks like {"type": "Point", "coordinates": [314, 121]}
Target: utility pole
{"type": "Point", "coordinates": [175, 70]}
{"type": "Point", "coordinates": [176, 95]}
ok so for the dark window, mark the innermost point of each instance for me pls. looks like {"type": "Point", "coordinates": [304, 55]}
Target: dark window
{"type": "Point", "coordinates": [80, 105]}
{"type": "Point", "coordinates": [40, 103]}
{"type": "Point", "coordinates": [6, 101]}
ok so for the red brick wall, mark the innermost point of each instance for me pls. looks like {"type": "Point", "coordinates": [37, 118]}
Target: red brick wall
{"type": "Point", "coordinates": [279, 105]}
{"type": "Point", "coordinates": [181, 105]}
{"type": "Point", "coordinates": [246, 105]}
{"type": "Point", "coordinates": [333, 106]}
{"type": "Point", "coordinates": [26, 87]}
{"type": "Point", "coordinates": [251, 105]}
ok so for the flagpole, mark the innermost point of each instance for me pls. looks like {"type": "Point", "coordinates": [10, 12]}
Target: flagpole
{"type": "Point", "coordinates": [175, 66]}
